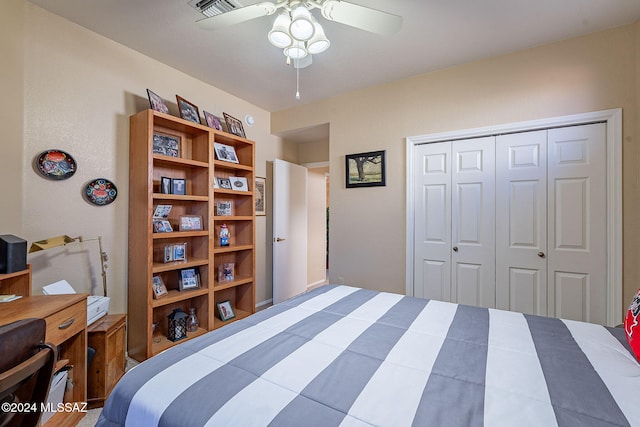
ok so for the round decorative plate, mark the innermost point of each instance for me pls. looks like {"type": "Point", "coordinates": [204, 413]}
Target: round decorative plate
{"type": "Point", "coordinates": [101, 192]}
{"type": "Point", "coordinates": [56, 164]}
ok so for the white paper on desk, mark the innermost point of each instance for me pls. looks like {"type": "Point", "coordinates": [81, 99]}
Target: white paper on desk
{"type": "Point", "coordinates": [58, 288]}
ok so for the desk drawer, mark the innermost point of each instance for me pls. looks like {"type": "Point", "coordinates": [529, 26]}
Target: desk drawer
{"type": "Point", "coordinates": [66, 323]}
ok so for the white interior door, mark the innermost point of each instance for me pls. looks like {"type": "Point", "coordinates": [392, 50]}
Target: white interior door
{"type": "Point", "coordinates": [289, 230]}
{"type": "Point", "coordinates": [521, 222]}
{"type": "Point", "coordinates": [577, 262]}
{"type": "Point", "coordinates": [473, 261]}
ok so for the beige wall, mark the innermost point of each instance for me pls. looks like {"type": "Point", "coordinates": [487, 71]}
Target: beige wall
{"type": "Point", "coordinates": [11, 116]}
{"type": "Point", "coordinates": [79, 91]}
{"type": "Point", "coordinates": [367, 232]}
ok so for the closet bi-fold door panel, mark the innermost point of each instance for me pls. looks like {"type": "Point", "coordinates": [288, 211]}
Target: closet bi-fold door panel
{"type": "Point", "coordinates": [454, 221]}
{"type": "Point", "coordinates": [521, 222]}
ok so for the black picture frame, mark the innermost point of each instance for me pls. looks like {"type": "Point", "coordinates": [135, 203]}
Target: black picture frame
{"type": "Point", "coordinates": [165, 185]}
{"type": "Point", "coordinates": [365, 169]}
{"type": "Point", "coordinates": [178, 186]}
{"type": "Point", "coordinates": [188, 111]}
{"type": "Point", "coordinates": [157, 103]}
{"type": "Point", "coordinates": [234, 125]}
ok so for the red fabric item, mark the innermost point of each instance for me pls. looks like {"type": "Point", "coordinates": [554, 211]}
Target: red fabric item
{"type": "Point", "coordinates": [632, 325]}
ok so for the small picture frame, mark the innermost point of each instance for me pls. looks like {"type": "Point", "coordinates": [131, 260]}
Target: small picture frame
{"type": "Point", "coordinates": [365, 169]}
{"type": "Point", "coordinates": [178, 186]}
{"type": "Point", "coordinates": [189, 279]}
{"type": "Point", "coordinates": [188, 111]}
{"type": "Point", "coordinates": [224, 183]}
{"type": "Point", "coordinates": [226, 272]}
{"type": "Point", "coordinates": [224, 208]}
{"type": "Point", "coordinates": [162, 226]}
{"type": "Point", "coordinates": [167, 145]}
{"type": "Point", "coordinates": [259, 192]}
{"type": "Point", "coordinates": [225, 311]}
{"type": "Point", "coordinates": [162, 211]}
{"type": "Point", "coordinates": [239, 183]}
{"type": "Point", "coordinates": [190, 223]}
{"type": "Point", "coordinates": [165, 185]}
{"type": "Point", "coordinates": [159, 289]}
{"type": "Point", "coordinates": [180, 252]}
{"type": "Point", "coordinates": [234, 125]}
{"type": "Point", "coordinates": [157, 103]}
{"type": "Point", "coordinates": [212, 121]}
{"type": "Point", "coordinates": [225, 153]}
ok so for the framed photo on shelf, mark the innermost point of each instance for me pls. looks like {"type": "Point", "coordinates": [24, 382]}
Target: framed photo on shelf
{"type": "Point", "coordinates": [239, 183]}
{"type": "Point", "coordinates": [162, 211]}
{"type": "Point", "coordinates": [225, 153]}
{"type": "Point", "coordinates": [157, 103]}
{"type": "Point", "coordinates": [365, 169]}
{"type": "Point", "coordinates": [224, 183]}
{"type": "Point", "coordinates": [159, 289]}
{"type": "Point", "coordinates": [188, 111]}
{"type": "Point", "coordinates": [260, 195]}
{"type": "Point", "coordinates": [162, 226]}
{"type": "Point", "coordinates": [225, 310]}
{"type": "Point", "coordinates": [175, 252]}
{"type": "Point", "coordinates": [165, 185]}
{"type": "Point", "coordinates": [226, 272]}
{"type": "Point", "coordinates": [189, 279]}
{"type": "Point", "coordinates": [190, 223]}
{"type": "Point", "coordinates": [224, 208]}
{"type": "Point", "coordinates": [212, 121]}
{"type": "Point", "coordinates": [167, 145]}
{"type": "Point", "coordinates": [234, 125]}
{"type": "Point", "coordinates": [178, 186]}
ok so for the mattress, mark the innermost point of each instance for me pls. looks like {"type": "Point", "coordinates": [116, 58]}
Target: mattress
{"type": "Point", "coordinates": [344, 356]}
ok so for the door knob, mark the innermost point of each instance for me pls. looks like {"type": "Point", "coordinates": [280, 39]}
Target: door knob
{"type": "Point", "coordinates": [279, 239]}
{"type": "Point", "coordinates": [541, 254]}
{"type": "Point", "coordinates": [455, 249]}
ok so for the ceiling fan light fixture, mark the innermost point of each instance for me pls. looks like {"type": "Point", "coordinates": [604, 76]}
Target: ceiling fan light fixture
{"type": "Point", "coordinates": [319, 42]}
{"type": "Point", "coordinates": [301, 27]}
{"type": "Point", "coordinates": [279, 35]}
{"type": "Point", "coordinates": [297, 50]}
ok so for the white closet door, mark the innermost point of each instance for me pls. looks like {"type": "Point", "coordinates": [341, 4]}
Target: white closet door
{"type": "Point", "coordinates": [432, 250]}
{"type": "Point", "coordinates": [577, 223]}
{"type": "Point", "coordinates": [473, 222]}
{"type": "Point", "coordinates": [521, 222]}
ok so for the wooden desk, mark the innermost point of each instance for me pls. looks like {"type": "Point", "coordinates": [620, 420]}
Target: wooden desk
{"type": "Point", "coordinates": [66, 317]}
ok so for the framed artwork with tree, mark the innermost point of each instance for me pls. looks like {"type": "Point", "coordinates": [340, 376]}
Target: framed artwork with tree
{"type": "Point", "coordinates": [365, 169]}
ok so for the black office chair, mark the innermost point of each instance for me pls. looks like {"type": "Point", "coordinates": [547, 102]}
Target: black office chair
{"type": "Point", "coordinates": [26, 369]}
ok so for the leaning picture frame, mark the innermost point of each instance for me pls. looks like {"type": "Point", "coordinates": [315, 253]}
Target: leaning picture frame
{"type": "Point", "coordinates": [190, 223]}
{"type": "Point", "coordinates": [167, 145]}
{"type": "Point", "coordinates": [239, 183]}
{"type": "Point", "coordinates": [212, 120]}
{"type": "Point", "coordinates": [159, 288]}
{"type": "Point", "coordinates": [188, 111]}
{"type": "Point", "coordinates": [259, 191]}
{"type": "Point", "coordinates": [365, 169]}
{"type": "Point", "coordinates": [225, 310]}
{"type": "Point", "coordinates": [234, 125]}
{"type": "Point", "coordinates": [225, 153]}
{"type": "Point", "coordinates": [157, 103]}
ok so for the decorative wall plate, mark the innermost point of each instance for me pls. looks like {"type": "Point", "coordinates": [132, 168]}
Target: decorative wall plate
{"type": "Point", "coordinates": [56, 164]}
{"type": "Point", "coordinates": [101, 192]}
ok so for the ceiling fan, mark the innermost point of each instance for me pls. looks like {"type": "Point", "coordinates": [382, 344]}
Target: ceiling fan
{"type": "Point", "coordinates": [362, 17]}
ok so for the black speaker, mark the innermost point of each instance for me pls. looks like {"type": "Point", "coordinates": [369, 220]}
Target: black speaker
{"type": "Point", "coordinates": [13, 254]}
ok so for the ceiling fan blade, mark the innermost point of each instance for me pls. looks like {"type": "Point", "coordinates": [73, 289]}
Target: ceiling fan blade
{"type": "Point", "coordinates": [364, 18]}
{"type": "Point", "coordinates": [237, 16]}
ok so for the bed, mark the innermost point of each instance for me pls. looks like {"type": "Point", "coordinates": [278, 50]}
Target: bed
{"type": "Point", "coordinates": [340, 355]}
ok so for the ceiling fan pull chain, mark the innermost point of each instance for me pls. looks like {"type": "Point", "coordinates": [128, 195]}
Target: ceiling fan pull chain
{"type": "Point", "coordinates": [297, 81]}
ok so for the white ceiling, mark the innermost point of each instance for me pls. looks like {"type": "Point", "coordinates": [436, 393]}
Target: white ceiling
{"type": "Point", "coordinates": [435, 34]}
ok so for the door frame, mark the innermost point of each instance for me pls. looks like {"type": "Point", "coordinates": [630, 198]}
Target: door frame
{"type": "Point", "coordinates": [613, 119]}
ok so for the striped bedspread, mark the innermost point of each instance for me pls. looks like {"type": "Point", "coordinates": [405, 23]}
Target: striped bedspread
{"type": "Point", "coordinates": [344, 356]}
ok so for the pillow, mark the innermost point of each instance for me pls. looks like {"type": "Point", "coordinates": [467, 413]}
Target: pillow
{"type": "Point", "coordinates": [631, 326]}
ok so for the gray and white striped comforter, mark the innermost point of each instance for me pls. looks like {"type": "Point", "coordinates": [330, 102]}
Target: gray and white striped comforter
{"type": "Point", "coordinates": [345, 356]}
